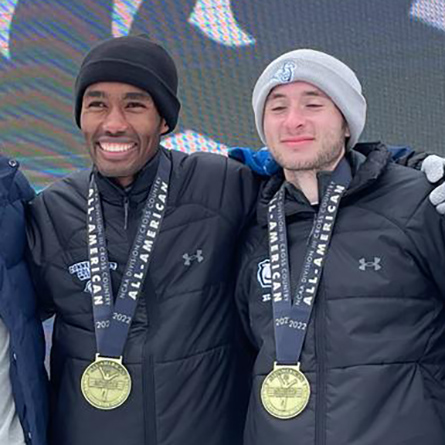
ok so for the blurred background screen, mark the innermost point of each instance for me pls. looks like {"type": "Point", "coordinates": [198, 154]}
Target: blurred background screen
{"type": "Point", "coordinates": [397, 48]}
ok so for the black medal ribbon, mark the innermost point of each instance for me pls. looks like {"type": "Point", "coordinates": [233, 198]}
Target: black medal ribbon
{"type": "Point", "coordinates": [291, 318]}
{"type": "Point", "coordinates": [112, 320]}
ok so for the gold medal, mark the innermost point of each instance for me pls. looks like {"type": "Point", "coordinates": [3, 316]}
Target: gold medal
{"type": "Point", "coordinates": [106, 383]}
{"type": "Point", "coordinates": [285, 391]}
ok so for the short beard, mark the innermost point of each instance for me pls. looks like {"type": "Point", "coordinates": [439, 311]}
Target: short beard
{"type": "Point", "coordinates": [326, 158]}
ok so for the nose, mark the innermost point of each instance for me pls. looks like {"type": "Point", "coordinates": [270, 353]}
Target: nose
{"type": "Point", "coordinates": [115, 121]}
{"type": "Point", "coordinates": [295, 118]}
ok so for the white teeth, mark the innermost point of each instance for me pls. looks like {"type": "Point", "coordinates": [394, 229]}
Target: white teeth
{"type": "Point", "coordinates": [115, 148]}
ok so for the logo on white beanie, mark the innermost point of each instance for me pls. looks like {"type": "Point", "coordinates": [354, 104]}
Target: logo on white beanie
{"type": "Point", "coordinates": [285, 73]}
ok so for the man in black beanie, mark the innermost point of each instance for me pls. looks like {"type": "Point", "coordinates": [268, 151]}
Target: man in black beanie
{"type": "Point", "coordinates": [136, 260]}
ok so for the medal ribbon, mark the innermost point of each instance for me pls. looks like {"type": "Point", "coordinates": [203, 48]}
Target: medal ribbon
{"type": "Point", "coordinates": [291, 318]}
{"type": "Point", "coordinates": [112, 320]}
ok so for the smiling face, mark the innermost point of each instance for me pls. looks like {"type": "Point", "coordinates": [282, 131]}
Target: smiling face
{"type": "Point", "coordinates": [304, 130]}
{"type": "Point", "coordinates": [122, 129]}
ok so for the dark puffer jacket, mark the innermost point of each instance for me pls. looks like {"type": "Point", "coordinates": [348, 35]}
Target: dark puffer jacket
{"type": "Point", "coordinates": [375, 347]}
{"type": "Point", "coordinates": [188, 386]}
{"type": "Point", "coordinates": [18, 307]}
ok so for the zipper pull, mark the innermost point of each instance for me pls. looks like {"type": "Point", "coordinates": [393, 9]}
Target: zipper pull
{"type": "Point", "coordinates": [126, 209]}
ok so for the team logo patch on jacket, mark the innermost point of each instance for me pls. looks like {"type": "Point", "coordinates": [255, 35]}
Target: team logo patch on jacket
{"type": "Point", "coordinates": [83, 272]}
{"type": "Point", "coordinates": [263, 274]}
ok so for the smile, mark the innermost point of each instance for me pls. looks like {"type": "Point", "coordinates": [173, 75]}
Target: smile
{"type": "Point", "coordinates": [113, 147]}
{"type": "Point", "coordinates": [297, 140]}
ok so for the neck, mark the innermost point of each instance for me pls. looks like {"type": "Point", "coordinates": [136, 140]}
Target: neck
{"type": "Point", "coordinates": [124, 181]}
{"type": "Point", "coordinates": [307, 182]}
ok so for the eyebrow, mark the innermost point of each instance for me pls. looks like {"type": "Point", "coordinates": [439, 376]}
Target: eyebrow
{"type": "Point", "coordinates": [94, 93]}
{"type": "Point", "coordinates": [137, 96]}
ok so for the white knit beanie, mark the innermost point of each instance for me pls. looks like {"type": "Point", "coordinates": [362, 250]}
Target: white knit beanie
{"type": "Point", "coordinates": [325, 72]}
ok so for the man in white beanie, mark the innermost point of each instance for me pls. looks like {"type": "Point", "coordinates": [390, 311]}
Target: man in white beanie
{"type": "Point", "coordinates": [341, 285]}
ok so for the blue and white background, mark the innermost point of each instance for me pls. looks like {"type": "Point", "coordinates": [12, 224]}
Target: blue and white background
{"type": "Point", "coordinates": [397, 48]}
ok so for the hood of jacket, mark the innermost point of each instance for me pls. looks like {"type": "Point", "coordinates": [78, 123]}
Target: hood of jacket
{"type": "Point", "coordinates": [367, 161]}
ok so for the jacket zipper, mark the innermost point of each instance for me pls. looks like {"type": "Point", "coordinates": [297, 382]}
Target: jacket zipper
{"type": "Point", "coordinates": [148, 395]}
{"type": "Point", "coordinates": [320, 354]}
{"type": "Point", "coordinates": [147, 372]}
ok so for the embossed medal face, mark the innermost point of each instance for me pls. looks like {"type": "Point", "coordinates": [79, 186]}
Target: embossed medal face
{"type": "Point", "coordinates": [106, 383]}
{"type": "Point", "coordinates": [285, 392]}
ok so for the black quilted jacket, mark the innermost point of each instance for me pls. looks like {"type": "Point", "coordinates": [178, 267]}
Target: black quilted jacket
{"type": "Point", "coordinates": [188, 385]}
{"type": "Point", "coordinates": [375, 347]}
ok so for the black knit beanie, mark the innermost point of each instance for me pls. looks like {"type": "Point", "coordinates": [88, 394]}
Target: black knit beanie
{"type": "Point", "coordinates": [137, 61]}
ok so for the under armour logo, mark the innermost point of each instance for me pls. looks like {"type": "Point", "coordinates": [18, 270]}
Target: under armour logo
{"type": "Point", "coordinates": [83, 272]}
{"type": "Point", "coordinates": [375, 264]}
{"type": "Point", "coordinates": [188, 259]}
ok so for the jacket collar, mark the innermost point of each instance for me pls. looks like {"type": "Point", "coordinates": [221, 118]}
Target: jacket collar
{"type": "Point", "coordinates": [137, 192]}
{"type": "Point", "coordinates": [8, 169]}
{"type": "Point", "coordinates": [367, 161]}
